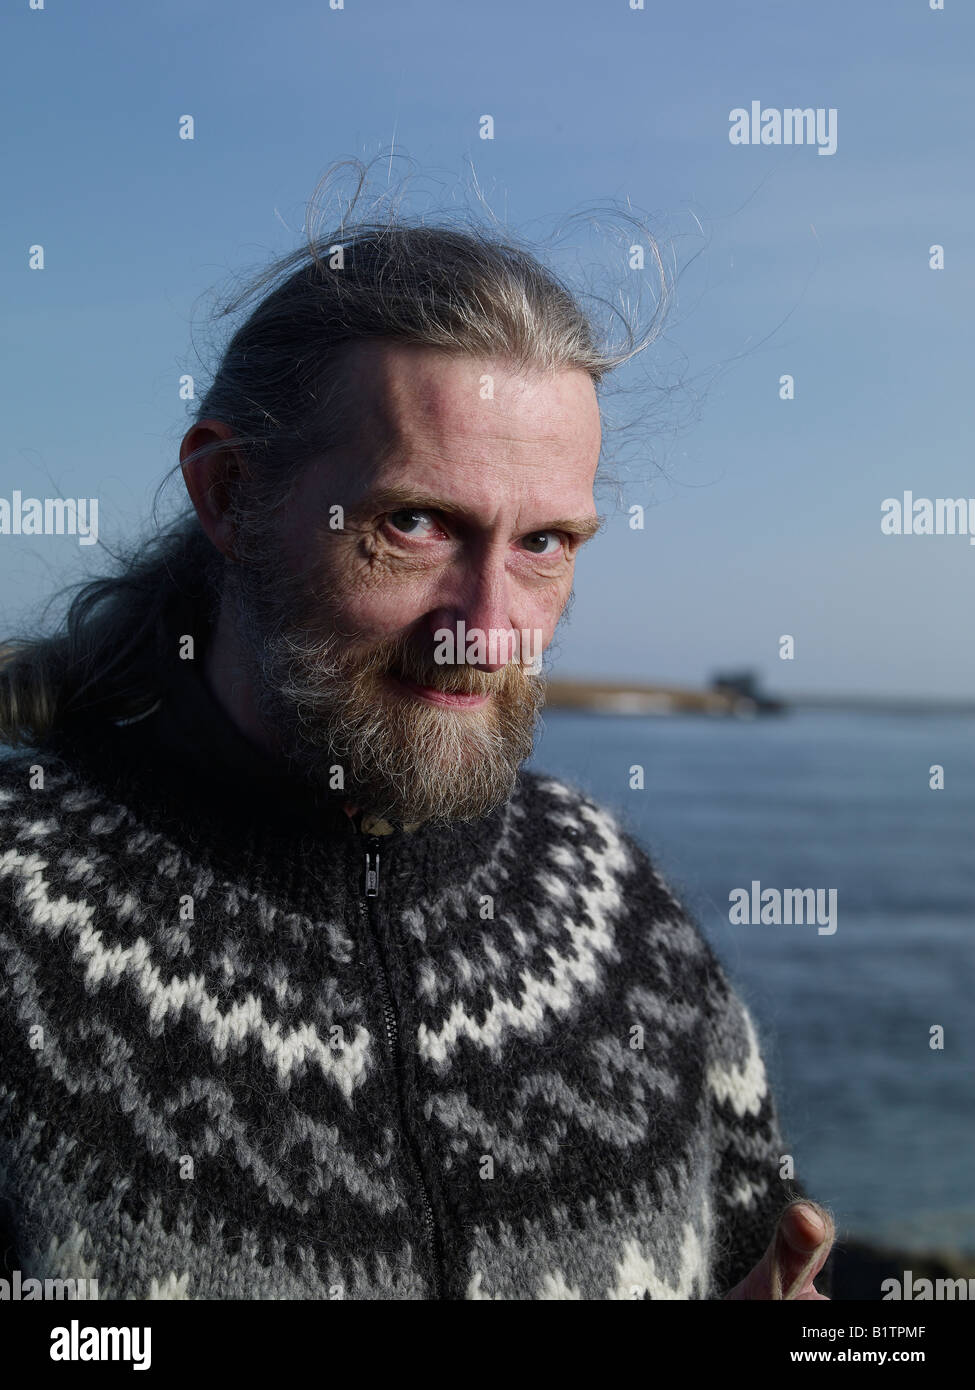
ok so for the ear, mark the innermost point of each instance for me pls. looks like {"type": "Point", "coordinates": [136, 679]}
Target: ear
{"type": "Point", "coordinates": [210, 480]}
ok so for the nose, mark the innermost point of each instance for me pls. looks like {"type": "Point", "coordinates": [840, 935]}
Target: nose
{"type": "Point", "coordinates": [477, 613]}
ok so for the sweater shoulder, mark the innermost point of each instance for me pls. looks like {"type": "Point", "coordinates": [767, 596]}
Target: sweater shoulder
{"type": "Point", "coordinates": [674, 977]}
{"type": "Point", "coordinates": [558, 812]}
{"type": "Point", "coordinates": [54, 818]}
{"type": "Point", "coordinates": [555, 804]}
{"type": "Point", "coordinates": [38, 785]}
{"type": "Point", "coordinates": [566, 827]}
{"type": "Point", "coordinates": [32, 778]}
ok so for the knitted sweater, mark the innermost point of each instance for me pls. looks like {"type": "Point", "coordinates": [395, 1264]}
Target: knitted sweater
{"type": "Point", "coordinates": [234, 1066]}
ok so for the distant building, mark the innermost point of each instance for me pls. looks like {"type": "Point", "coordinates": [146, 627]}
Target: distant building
{"type": "Point", "coordinates": [743, 688]}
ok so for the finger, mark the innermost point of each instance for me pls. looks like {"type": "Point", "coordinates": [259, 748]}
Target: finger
{"type": "Point", "coordinates": [797, 1252]}
{"type": "Point", "coordinates": [801, 1247]}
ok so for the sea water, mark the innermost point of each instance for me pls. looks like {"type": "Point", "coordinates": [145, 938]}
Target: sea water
{"type": "Point", "coordinates": [881, 1123]}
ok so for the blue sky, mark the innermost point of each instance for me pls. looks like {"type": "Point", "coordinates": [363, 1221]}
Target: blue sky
{"type": "Point", "coordinates": [763, 516]}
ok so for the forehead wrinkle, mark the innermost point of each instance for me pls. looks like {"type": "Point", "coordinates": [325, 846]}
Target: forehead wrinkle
{"type": "Point", "coordinates": [415, 419]}
{"type": "Point", "coordinates": [436, 410]}
{"type": "Point", "coordinates": [445, 439]}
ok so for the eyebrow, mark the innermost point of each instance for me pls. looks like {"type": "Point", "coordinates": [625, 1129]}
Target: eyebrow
{"type": "Point", "coordinates": [390, 499]}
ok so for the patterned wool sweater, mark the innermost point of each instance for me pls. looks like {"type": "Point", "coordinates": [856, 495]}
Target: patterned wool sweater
{"type": "Point", "coordinates": [233, 1067]}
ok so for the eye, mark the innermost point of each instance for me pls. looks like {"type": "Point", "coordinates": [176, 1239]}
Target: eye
{"type": "Point", "coordinates": [539, 542]}
{"type": "Point", "coordinates": [412, 521]}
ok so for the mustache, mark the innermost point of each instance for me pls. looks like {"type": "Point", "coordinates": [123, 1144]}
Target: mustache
{"type": "Point", "coordinates": [399, 656]}
{"type": "Point", "coordinates": [459, 679]}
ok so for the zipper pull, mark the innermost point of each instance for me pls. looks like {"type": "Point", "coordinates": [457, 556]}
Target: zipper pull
{"type": "Point", "coordinates": [372, 873]}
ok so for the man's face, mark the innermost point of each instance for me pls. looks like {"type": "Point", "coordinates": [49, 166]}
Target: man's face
{"type": "Point", "coordinates": [464, 501]}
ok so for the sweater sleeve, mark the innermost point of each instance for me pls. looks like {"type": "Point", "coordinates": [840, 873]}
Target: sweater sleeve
{"type": "Point", "coordinates": [753, 1165]}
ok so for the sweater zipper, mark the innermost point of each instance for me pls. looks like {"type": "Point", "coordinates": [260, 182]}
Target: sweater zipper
{"type": "Point", "coordinates": [370, 891]}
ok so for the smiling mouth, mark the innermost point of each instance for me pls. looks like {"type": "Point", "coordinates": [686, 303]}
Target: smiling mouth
{"type": "Point", "coordinates": [450, 699]}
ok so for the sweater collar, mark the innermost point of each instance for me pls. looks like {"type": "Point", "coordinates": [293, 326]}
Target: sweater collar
{"type": "Point", "coordinates": [187, 770]}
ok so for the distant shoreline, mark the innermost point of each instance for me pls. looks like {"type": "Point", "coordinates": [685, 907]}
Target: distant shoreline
{"type": "Point", "coordinates": [636, 698]}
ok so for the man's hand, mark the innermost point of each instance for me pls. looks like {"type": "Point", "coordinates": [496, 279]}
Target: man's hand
{"type": "Point", "coordinates": [799, 1249]}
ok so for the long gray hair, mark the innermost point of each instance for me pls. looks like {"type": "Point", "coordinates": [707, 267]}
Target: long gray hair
{"type": "Point", "coordinates": [279, 387]}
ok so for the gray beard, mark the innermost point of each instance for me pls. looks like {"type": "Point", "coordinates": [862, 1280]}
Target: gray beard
{"type": "Point", "coordinates": [400, 758]}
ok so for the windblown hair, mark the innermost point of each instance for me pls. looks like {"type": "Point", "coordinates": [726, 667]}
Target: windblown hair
{"type": "Point", "coordinates": [280, 387]}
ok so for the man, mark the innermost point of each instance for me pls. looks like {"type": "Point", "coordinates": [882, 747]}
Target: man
{"type": "Point", "coordinates": [312, 991]}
